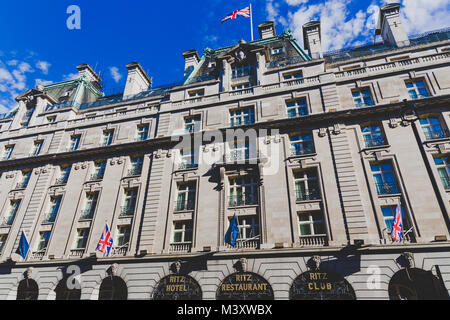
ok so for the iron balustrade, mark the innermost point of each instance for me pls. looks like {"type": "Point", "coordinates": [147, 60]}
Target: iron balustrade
{"type": "Point", "coordinates": [311, 194]}
{"type": "Point", "coordinates": [386, 188]}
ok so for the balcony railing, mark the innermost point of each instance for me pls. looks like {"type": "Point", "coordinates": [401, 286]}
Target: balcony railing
{"type": "Point", "coordinates": [136, 171]}
{"type": "Point", "coordinates": [244, 200]}
{"type": "Point", "coordinates": [386, 188]}
{"type": "Point", "coordinates": [181, 247]}
{"type": "Point", "coordinates": [184, 205]}
{"type": "Point", "coordinates": [374, 142]}
{"type": "Point", "coordinates": [246, 244]}
{"type": "Point", "coordinates": [38, 255]}
{"type": "Point", "coordinates": [303, 150]}
{"type": "Point", "coordinates": [314, 240]}
{"type": "Point", "coordinates": [127, 211]}
{"type": "Point", "coordinates": [312, 194]}
{"type": "Point", "coordinates": [119, 251]}
{"type": "Point", "coordinates": [87, 214]}
{"type": "Point", "coordinates": [77, 252]}
{"type": "Point", "coordinates": [186, 165]}
{"type": "Point", "coordinates": [436, 134]}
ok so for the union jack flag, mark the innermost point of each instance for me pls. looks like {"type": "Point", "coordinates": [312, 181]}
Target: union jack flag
{"type": "Point", "coordinates": [397, 227]}
{"type": "Point", "coordinates": [106, 241]}
{"type": "Point", "coordinates": [244, 12]}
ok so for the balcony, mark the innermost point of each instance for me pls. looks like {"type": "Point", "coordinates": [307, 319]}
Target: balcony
{"type": "Point", "coordinates": [374, 142]}
{"type": "Point", "coordinates": [314, 240]}
{"type": "Point", "coordinates": [97, 176]}
{"type": "Point", "coordinates": [77, 252]}
{"type": "Point", "coordinates": [311, 194]}
{"type": "Point", "coordinates": [246, 244]}
{"type": "Point", "coordinates": [127, 211]}
{"type": "Point", "coordinates": [301, 150]}
{"type": "Point", "coordinates": [87, 214]}
{"type": "Point", "coordinates": [136, 171]}
{"type": "Point", "coordinates": [183, 247]}
{"type": "Point", "coordinates": [436, 134]}
{"type": "Point", "coordinates": [386, 188]}
{"type": "Point", "coordinates": [183, 205]}
{"type": "Point", "coordinates": [119, 251]}
{"type": "Point", "coordinates": [242, 201]}
{"type": "Point", "coordinates": [38, 255]}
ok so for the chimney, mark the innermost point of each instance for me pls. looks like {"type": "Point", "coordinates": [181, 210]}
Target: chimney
{"type": "Point", "coordinates": [191, 59]}
{"type": "Point", "coordinates": [137, 80]}
{"type": "Point", "coordinates": [312, 39]}
{"type": "Point", "coordinates": [85, 70]}
{"type": "Point", "coordinates": [390, 26]}
{"type": "Point", "coordinates": [267, 30]}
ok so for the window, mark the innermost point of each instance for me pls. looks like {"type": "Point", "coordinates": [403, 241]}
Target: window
{"type": "Point", "coordinates": [142, 133]}
{"type": "Point", "coordinates": [301, 144]}
{"type": "Point", "coordinates": [64, 175]}
{"type": "Point", "coordinates": [443, 167]}
{"type": "Point", "coordinates": [311, 224]}
{"type": "Point", "coordinates": [362, 98]}
{"type": "Point", "coordinates": [55, 202]}
{"type": "Point", "coordinates": [242, 117]}
{"type": "Point", "coordinates": [241, 86]}
{"type": "Point", "coordinates": [129, 202]}
{"type": "Point", "coordinates": [432, 128]}
{"type": "Point", "coordinates": [182, 232]}
{"type": "Point", "coordinates": [373, 136]}
{"type": "Point", "coordinates": [8, 152]}
{"type": "Point", "coordinates": [26, 175]}
{"type": "Point", "coordinates": [248, 227]}
{"type": "Point", "coordinates": [36, 148]}
{"type": "Point", "coordinates": [123, 236]}
{"type": "Point", "coordinates": [185, 197]}
{"type": "Point", "coordinates": [389, 217]}
{"type": "Point", "coordinates": [277, 50]}
{"type": "Point", "coordinates": [3, 238]}
{"type": "Point", "coordinates": [74, 142]}
{"type": "Point", "coordinates": [241, 71]}
{"type": "Point", "coordinates": [197, 93]}
{"type": "Point", "coordinates": [51, 119]}
{"type": "Point", "coordinates": [107, 137]}
{"type": "Point", "coordinates": [136, 166]}
{"type": "Point", "coordinates": [10, 216]}
{"type": "Point", "coordinates": [91, 204]}
{"type": "Point", "coordinates": [192, 124]}
{"type": "Point", "coordinates": [417, 89]}
{"type": "Point", "coordinates": [188, 159]}
{"type": "Point", "coordinates": [99, 171]}
{"type": "Point", "coordinates": [243, 191]}
{"type": "Point", "coordinates": [44, 237]}
{"type": "Point", "coordinates": [306, 185]}
{"type": "Point", "coordinates": [81, 238]}
{"type": "Point", "coordinates": [297, 108]}
{"type": "Point", "coordinates": [384, 178]}
{"type": "Point", "coordinates": [293, 76]}
{"type": "Point", "coordinates": [239, 150]}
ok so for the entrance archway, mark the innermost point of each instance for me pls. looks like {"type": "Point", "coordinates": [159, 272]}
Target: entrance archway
{"type": "Point", "coordinates": [28, 290]}
{"type": "Point", "coordinates": [64, 293]}
{"type": "Point", "coordinates": [113, 288]}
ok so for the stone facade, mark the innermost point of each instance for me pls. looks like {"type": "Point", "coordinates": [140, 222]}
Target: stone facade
{"type": "Point", "coordinates": [341, 139]}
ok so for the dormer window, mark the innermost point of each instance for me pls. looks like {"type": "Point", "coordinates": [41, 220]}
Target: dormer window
{"type": "Point", "coordinates": [196, 93]}
{"type": "Point", "coordinates": [277, 50]}
{"type": "Point", "coordinates": [293, 76]}
{"type": "Point", "coordinates": [241, 86]}
{"type": "Point", "coordinates": [241, 71]}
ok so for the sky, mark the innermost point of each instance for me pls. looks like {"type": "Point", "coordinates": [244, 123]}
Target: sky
{"type": "Point", "coordinates": [36, 46]}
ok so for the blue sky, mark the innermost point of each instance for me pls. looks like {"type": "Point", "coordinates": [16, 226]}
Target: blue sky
{"type": "Point", "coordinates": [36, 45]}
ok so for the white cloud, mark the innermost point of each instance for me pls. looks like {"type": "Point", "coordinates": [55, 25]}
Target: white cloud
{"type": "Point", "coordinates": [25, 67]}
{"type": "Point", "coordinates": [70, 76]}
{"type": "Point", "coordinates": [115, 74]}
{"type": "Point", "coordinates": [12, 62]}
{"type": "Point", "coordinates": [296, 2]}
{"type": "Point", "coordinates": [42, 82]}
{"type": "Point", "coordinates": [43, 66]}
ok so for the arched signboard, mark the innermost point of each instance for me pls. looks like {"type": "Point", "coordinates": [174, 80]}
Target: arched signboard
{"type": "Point", "coordinates": [321, 285]}
{"type": "Point", "coordinates": [244, 286]}
{"type": "Point", "coordinates": [178, 287]}
{"type": "Point", "coordinates": [416, 284]}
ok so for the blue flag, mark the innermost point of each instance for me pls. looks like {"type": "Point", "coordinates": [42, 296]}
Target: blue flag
{"type": "Point", "coordinates": [232, 233]}
{"type": "Point", "coordinates": [24, 246]}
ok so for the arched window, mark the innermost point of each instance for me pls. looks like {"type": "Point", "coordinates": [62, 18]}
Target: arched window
{"type": "Point", "coordinates": [63, 292]}
{"type": "Point", "coordinates": [28, 290]}
{"type": "Point", "coordinates": [113, 288]}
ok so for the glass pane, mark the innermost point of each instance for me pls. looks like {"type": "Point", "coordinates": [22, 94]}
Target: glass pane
{"type": "Point", "coordinates": [305, 229]}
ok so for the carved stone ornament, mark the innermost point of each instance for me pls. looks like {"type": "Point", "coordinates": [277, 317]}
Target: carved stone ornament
{"type": "Point", "coordinates": [176, 267]}
{"type": "Point", "coordinates": [241, 265]}
{"type": "Point", "coordinates": [240, 55]}
{"type": "Point", "coordinates": [29, 273]}
{"type": "Point", "coordinates": [409, 259]}
{"type": "Point", "coordinates": [114, 269]}
{"type": "Point", "coordinates": [314, 263]}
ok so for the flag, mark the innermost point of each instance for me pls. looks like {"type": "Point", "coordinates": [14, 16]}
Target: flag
{"type": "Point", "coordinates": [243, 12]}
{"type": "Point", "coordinates": [397, 227]}
{"type": "Point", "coordinates": [232, 233]}
{"type": "Point", "coordinates": [106, 242]}
{"type": "Point", "coordinates": [24, 246]}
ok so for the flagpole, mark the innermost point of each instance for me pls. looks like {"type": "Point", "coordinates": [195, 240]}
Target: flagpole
{"type": "Point", "coordinates": [251, 20]}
